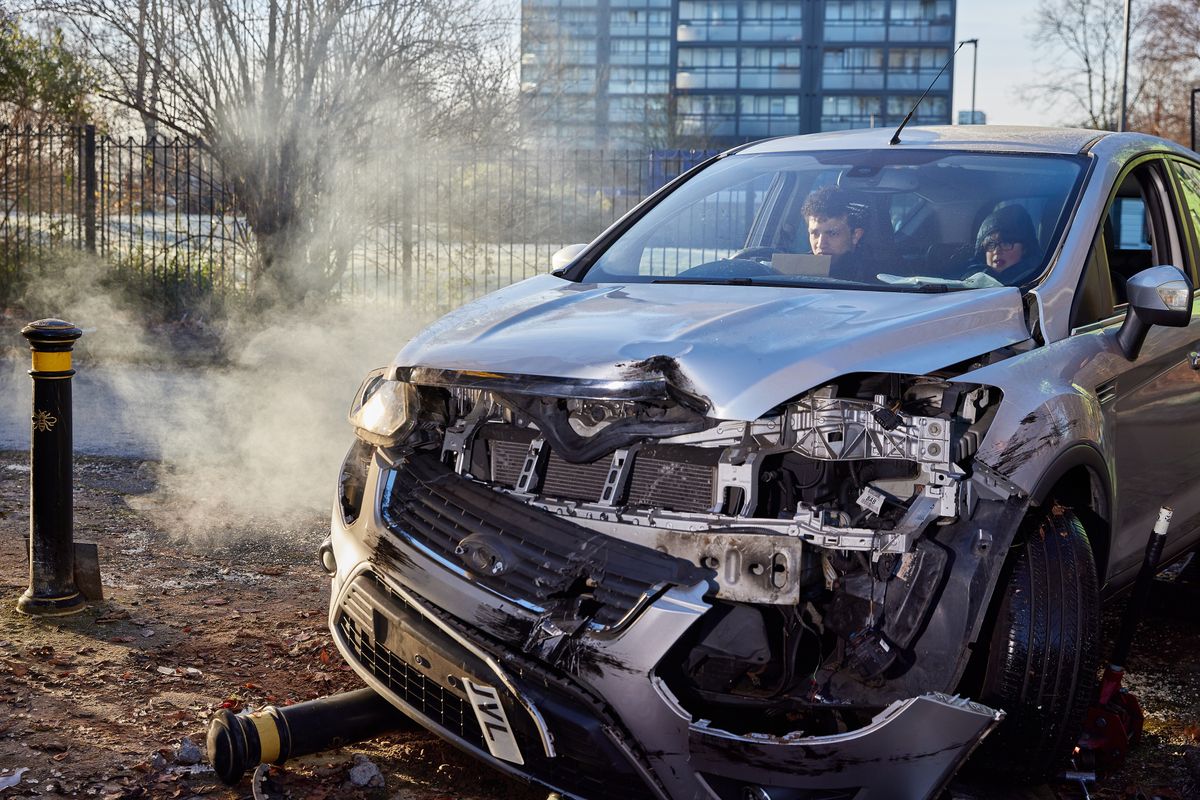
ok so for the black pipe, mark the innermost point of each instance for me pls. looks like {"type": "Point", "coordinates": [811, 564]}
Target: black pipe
{"type": "Point", "coordinates": [1141, 588]}
{"type": "Point", "coordinates": [238, 742]}
{"type": "Point", "coordinates": [52, 589]}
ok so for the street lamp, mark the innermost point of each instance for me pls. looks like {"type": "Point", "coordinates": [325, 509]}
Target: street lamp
{"type": "Point", "coordinates": [974, 69]}
{"type": "Point", "coordinates": [1195, 94]}
{"type": "Point", "coordinates": [1125, 71]}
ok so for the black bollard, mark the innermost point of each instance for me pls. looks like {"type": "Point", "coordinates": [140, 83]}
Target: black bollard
{"type": "Point", "coordinates": [52, 590]}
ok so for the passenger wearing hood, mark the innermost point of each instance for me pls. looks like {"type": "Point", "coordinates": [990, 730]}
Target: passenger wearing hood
{"type": "Point", "coordinates": [1008, 245]}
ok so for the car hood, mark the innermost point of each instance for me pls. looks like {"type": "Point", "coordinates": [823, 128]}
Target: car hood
{"type": "Point", "coordinates": [745, 349]}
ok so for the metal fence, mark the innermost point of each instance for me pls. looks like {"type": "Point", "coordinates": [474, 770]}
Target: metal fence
{"type": "Point", "coordinates": [433, 232]}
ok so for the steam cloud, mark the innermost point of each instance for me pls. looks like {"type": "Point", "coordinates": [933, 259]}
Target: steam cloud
{"type": "Point", "coordinates": [262, 436]}
{"type": "Point", "coordinates": [258, 438]}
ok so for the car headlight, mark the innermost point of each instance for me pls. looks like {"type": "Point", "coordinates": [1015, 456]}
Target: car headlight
{"type": "Point", "coordinates": [384, 411]}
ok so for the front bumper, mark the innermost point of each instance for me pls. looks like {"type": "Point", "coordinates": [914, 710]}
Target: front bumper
{"type": "Point", "coordinates": [583, 711]}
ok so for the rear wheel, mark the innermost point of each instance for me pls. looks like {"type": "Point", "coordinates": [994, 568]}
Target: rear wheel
{"type": "Point", "coordinates": [1042, 658]}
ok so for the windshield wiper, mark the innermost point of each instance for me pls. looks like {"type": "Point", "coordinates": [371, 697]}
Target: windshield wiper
{"type": "Point", "coordinates": [713, 281]}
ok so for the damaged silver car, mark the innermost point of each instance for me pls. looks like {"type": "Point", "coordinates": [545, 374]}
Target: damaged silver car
{"type": "Point", "coordinates": [797, 482]}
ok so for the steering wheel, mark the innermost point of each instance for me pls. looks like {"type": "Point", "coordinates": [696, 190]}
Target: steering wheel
{"type": "Point", "coordinates": [762, 253]}
{"type": "Point", "coordinates": [728, 268]}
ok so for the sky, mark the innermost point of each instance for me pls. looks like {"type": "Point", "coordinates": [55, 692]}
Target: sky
{"type": "Point", "coordinates": [1007, 61]}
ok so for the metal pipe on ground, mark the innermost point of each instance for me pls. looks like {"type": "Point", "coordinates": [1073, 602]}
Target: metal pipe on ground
{"type": "Point", "coordinates": [238, 742]}
{"type": "Point", "coordinates": [1114, 723]}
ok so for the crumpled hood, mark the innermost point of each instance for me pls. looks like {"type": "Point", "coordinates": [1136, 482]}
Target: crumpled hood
{"type": "Point", "coordinates": [744, 348]}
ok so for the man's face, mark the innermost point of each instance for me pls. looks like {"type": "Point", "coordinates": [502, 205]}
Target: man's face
{"type": "Point", "coordinates": [832, 236]}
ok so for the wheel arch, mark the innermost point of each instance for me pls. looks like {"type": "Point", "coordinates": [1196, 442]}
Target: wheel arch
{"type": "Point", "coordinates": [1079, 478]}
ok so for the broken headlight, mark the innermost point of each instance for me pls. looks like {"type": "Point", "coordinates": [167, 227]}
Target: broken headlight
{"type": "Point", "coordinates": [384, 411]}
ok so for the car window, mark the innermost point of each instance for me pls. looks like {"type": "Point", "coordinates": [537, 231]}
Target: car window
{"type": "Point", "coordinates": [901, 220]}
{"type": "Point", "coordinates": [1189, 184]}
{"type": "Point", "coordinates": [1094, 300]}
{"type": "Point", "coordinates": [1135, 234]}
{"type": "Point", "coordinates": [707, 230]}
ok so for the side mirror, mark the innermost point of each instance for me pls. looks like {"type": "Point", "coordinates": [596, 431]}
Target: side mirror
{"type": "Point", "coordinates": [1157, 296]}
{"type": "Point", "coordinates": [565, 256]}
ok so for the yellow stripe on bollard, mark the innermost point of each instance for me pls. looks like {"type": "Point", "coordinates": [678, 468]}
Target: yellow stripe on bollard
{"type": "Point", "coordinates": [268, 736]}
{"type": "Point", "coordinates": [51, 362]}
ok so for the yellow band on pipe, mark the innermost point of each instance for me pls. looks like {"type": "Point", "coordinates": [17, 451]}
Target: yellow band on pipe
{"type": "Point", "coordinates": [268, 736]}
{"type": "Point", "coordinates": [51, 362]}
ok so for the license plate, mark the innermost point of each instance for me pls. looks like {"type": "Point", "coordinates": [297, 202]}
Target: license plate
{"type": "Point", "coordinates": [493, 721]}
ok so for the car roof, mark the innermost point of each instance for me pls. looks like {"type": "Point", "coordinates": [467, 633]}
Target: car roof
{"type": "Point", "coordinates": [983, 138]}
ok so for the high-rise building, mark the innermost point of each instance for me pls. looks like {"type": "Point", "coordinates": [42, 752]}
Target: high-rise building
{"type": "Point", "coordinates": [718, 72]}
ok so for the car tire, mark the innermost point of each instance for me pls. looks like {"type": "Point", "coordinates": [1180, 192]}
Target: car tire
{"type": "Point", "coordinates": [1042, 658]}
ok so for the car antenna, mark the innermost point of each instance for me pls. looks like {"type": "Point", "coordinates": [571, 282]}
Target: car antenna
{"type": "Point", "coordinates": [896, 136]}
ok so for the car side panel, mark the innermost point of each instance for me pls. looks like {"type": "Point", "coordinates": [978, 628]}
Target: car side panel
{"type": "Point", "coordinates": [1083, 389]}
{"type": "Point", "coordinates": [1157, 430]}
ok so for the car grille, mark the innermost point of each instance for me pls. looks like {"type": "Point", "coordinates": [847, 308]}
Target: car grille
{"type": "Point", "coordinates": [656, 481]}
{"type": "Point", "coordinates": [428, 697]}
{"type": "Point", "coordinates": [587, 764]}
{"type": "Point", "coordinates": [552, 558]}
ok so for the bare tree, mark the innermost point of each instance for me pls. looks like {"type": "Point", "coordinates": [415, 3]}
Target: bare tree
{"type": "Point", "coordinates": [307, 106]}
{"type": "Point", "coordinates": [1171, 67]}
{"type": "Point", "coordinates": [1084, 78]}
{"type": "Point", "coordinates": [1173, 30]}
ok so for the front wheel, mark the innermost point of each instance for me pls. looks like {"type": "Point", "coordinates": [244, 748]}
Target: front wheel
{"type": "Point", "coordinates": [1042, 658]}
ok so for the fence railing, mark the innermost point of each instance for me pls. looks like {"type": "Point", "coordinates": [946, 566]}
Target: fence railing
{"type": "Point", "coordinates": [431, 232]}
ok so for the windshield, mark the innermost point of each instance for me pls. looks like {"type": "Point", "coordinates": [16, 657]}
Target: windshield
{"type": "Point", "coordinates": [898, 220]}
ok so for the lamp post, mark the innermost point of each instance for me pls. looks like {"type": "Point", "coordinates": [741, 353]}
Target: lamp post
{"type": "Point", "coordinates": [1122, 125]}
{"type": "Point", "coordinates": [1192, 128]}
{"type": "Point", "coordinates": [974, 70]}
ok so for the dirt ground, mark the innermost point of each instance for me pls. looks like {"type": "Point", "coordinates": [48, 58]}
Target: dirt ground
{"type": "Point", "coordinates": [97, 705]}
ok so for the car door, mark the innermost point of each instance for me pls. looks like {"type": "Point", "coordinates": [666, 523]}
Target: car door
{"type": "Point", "coordinates": [1156, 399]}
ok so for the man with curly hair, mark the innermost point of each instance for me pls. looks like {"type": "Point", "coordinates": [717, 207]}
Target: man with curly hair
{"type": "Point", "coordinates": [835, 227]}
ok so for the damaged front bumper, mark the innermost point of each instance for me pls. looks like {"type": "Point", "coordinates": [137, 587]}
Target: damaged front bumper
{"type": "Point", "coordinates": [441, 604]}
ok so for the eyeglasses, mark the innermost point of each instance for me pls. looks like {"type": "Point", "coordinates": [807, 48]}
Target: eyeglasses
{"type": "Point", "coordinates": [997, 246]}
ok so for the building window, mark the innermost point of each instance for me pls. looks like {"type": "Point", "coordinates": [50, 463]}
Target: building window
{"type": "Point", "coordinates": [934, 109]}
{"type": "Point", "coordinates": [772, 21]}
{"type": "Point", "coordinates": [640, 22]}
{"type": "Point", "coordinates": [839, 112]}
{"type": "Point", "coordinates": [707, 68]}
{"type": "Point", "coordinates": [706, 115]}
{"type": "Point", "coordinates": [920, 21]}
{"type": "Point", "coordinates": [637, 109]}
{"type": "Point", "coordinates": [770, 68]}
{"type": "Point", "coordinates": [639, 51]}
{"type": "Point", "coordinates": [708, 10]}
{"type": "Point", "coordinates": [561, 51]}
{"type": "Point", "coordinates": [638, 80]}
{"type": "Point", "coordinates": [855, 20]}
{"type": "Point", "coordinates": [768, 115]}
{"type": "Point", "coordinates": [708, 21]}
{"type": "Point", "coordinates": [916, 67]}
{"type": "Point", "coordinates": [852, 68]}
